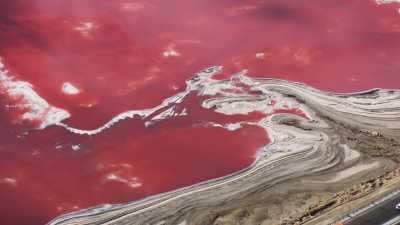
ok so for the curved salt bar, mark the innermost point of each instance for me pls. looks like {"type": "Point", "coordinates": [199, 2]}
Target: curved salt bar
{"type": "Point", "coordinates": [299, 145]}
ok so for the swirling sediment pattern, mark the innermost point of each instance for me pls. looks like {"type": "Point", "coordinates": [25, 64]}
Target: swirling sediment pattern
{"type": "Point", "coordinates": [302, 144]}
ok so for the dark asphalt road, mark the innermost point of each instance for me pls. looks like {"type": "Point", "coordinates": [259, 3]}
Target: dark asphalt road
{"type": "Point", "coordinates": [379, 214]}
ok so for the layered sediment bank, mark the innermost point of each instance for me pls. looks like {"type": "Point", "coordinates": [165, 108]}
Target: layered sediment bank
{"type": "Point", "coordinates": [320, 142]}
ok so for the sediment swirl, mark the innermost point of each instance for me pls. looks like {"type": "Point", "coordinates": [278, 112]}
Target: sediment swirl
{"type": "Point", "coordinates": [300, 145]}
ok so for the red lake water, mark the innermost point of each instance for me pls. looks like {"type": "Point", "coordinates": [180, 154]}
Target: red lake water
{"type": "Point", "coordinates": [95, 59]}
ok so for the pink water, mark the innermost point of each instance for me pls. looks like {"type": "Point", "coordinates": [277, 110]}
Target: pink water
{"type": "Point", "coordinates": [126, 54]}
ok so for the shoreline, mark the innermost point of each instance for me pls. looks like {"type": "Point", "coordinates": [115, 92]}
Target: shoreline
{"type": "Point", "coordinates": [298, 148]}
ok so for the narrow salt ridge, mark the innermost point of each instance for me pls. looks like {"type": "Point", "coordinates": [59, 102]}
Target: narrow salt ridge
{"type": "Point", "coordinates": [168, 113]}
{"type": "Point", "coordinates": [191, 85]}
{"type": "Point", "coordinates": [228, 126]}
{"type": "Point", "coordinates": [39, 109]}
{"type": "Point", "coordinates": [203, 83]}
{"type": "Point", "coordinates": [162, 116]}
